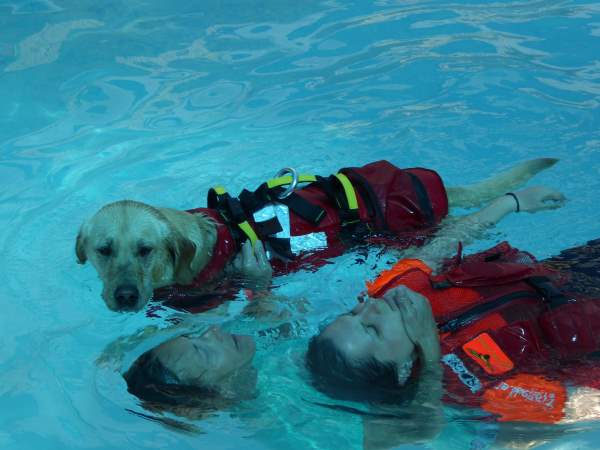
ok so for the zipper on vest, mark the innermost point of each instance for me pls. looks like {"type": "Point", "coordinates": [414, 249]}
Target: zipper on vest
{"type": "Point", "coordinates": [470, 315]}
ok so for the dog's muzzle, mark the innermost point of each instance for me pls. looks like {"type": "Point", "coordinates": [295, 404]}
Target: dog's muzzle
{"type": "Point", "coordinates": [127, 296]}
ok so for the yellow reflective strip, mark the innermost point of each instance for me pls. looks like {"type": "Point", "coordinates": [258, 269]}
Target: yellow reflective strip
{"type": "Point", "coordinates": [220, 190]}
{"type": "Point", "coordinates": [248, 231]}
{"type": "Point", "coordinates": [349, 190]}
{"type": "Point", "coordinates": [274, 182]}
{"type": "Point", "coordinates": [287, 179]}
{"type": "Point", "coordinates": [306, 178]}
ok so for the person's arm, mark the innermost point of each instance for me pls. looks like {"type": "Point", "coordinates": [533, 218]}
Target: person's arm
{"type": "Point", "coordinates": [422, 330]}
{"type": "Point", "coordinates": [387, 432]}
{"type": "Point", "coordinates": [472, 226]}
{"type": "Point", "coordinates": [254, 270]}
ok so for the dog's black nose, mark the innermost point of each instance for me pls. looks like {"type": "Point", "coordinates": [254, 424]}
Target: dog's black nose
{"type": "Point", "coordinates": [127, 296]}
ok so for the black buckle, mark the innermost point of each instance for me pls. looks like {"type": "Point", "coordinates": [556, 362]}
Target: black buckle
{"type": "Point", "coordinates": [552, 295]}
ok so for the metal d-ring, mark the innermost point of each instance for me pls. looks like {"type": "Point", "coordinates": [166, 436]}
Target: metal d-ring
{"type": "Point", "coordinates": [292, 185]}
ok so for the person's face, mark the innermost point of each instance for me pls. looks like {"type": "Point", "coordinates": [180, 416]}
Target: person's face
{"type": "Point", "coordinates": [374, 329]}
{"type": "Point", "coordinates": [207, 359]}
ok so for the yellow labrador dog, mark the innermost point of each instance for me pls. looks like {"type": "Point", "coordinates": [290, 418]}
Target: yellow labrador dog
{"type": "Point", "coordinates": [137, 248]}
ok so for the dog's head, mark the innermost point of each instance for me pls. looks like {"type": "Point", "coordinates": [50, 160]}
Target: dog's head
{"type": "Point", "coordinates": [135, 249]}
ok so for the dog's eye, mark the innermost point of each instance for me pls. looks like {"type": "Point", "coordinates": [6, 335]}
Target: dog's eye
{"type": "Point", "coordinates": [104, 251]}
{"type": "Point", "coordinates": [145, 250]}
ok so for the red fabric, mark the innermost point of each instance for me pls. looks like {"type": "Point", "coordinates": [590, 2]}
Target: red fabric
{"type": "Point", "coordinates": [502, 263]}
{"type": "Point", "coordinates": [397, 197]}
{"type": "Point", "coordinates": [193, 297]}
{"type": "Point", "coordinates": [573, 329]}
{"type": "Point", "coordinates": [225, 248]}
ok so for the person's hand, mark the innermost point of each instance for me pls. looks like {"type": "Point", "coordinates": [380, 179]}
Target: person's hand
{"type": "Point", "coordinates": [416, 314]}
{"type": "Point", "coordinates": [539, 198]}
{"type": "Point", "coordinates": [253, 265]}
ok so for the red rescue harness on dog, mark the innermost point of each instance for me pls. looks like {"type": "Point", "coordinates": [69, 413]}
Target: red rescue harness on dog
{"type": "Point", "coordinates": [313, 223]}
{"type": "Point", "coordinates": [510, 339]}
{"type": "Point", "coordinates": [321, 217]}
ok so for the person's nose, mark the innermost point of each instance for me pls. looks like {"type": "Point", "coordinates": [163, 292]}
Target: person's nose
{"type": "Point", "coordinates": [214, 332]}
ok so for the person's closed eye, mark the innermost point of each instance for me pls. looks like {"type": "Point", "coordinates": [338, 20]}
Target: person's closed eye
{"type": "Point", "coordinates": [372, 330]}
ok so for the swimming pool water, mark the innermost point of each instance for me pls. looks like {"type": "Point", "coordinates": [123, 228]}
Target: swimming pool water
{"type": "Point", "coordinates": [157, 101]}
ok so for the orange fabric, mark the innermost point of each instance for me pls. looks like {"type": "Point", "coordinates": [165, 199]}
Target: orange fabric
{"type": "Point", "coordinates": [384, 281]}
{"type": "Point", "coordinates": [523, 397]}
{"type": "Point", "coordinates": [485, 352]}
{"type": "Point", "coordinates": [415, 275]}
{"type": "Point", "coordinates": [526, 398]}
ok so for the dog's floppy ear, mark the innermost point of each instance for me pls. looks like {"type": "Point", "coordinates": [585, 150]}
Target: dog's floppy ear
{"type": "Point", "coordinates": [80, 249]}
{"type": "Point", "coordinates": [182, 252]}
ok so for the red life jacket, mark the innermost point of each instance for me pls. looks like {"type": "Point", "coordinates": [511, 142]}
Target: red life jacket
{"type": "Point", "coordinates": [510, 339]}
{"type": "Point", "coordinates": [377, 197]}
{"type": "Point", "coordinates": [403, 203]}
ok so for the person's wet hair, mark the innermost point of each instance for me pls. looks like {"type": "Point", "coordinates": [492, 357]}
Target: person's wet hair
{"type": "Point", "coordinates": [367, 380]}
{"type": "Point", "coordinates": [152, 382]}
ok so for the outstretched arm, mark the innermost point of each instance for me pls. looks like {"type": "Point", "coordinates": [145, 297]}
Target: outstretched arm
{"type": "Point", "coordinates": [472, 226]}
{"type": "Point", "coordinates": [383, 432]}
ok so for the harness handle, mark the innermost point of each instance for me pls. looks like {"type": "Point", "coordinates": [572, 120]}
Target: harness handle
{"type": "Point", "coordinates": [288, 191]}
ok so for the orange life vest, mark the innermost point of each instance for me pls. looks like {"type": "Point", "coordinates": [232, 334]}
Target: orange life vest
{"type": "Point", "coordinates": [510, 340]}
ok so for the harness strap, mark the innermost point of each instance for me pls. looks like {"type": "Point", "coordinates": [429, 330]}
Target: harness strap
{"type": "Point", "coordinates": [340, 191]}
{"type": "Point", "coordinates": [548, 291]}
{"type": "Point", "coordinates": [338, 188]}
{"type": "Point", "coordinates": [268, 227]}
{"type": "Point", "coordinates": [236, 211]}
{"type": "Point", "coordinates": [423, 198]}
{"type": "Point", "coordinates": [373, 205]}
{"type": "Point", "coordinates": [248, 231]}
{"type": "Point", "coordinates": [231, 210]}
{"type": "Point", "coordinates": [287, 179]}
{"type": "Point", "coordinates": [477, 311]}
{"type": "Point", "coordinates": [309, 212]}
{"type": "Point", "coordinates": [253, 201]}
{"type": "Point", "coordinates": [351, 201]}
{"type": "Point", "coordinates": [545, 290]}
{"type": "Point", "coordinates": [281, 246]}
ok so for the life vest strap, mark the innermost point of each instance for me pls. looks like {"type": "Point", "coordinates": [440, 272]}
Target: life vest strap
{"type": "Point", "coordinates": [232, 212]}
{"type": "Point", "coordinates": [548, 291]}
{"type": "Point", "coordinates": [303, 208]}
{"type": "Point", "coordinates": [287, 179]}
{"type": "Point", "coordinates": [253, 201]}
{"type": "Point", "coordinates": [341, 192]}
{"type": "Point", "coordinates": [248, 231]}
{"type": "Point", "coordinates": [479, 310]}
{"type": "Point", "coordinates": [338, 188]}
{"type": "Point", "coordinates": [268, 227]}
{"type": "Point", "coordinates": [423, 199]}
{"type": "Point", "coordinates": [372, 202]}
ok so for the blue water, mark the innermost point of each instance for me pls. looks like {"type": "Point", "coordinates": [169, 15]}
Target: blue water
{"type": "Point", "coordinates": [157, 101]}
